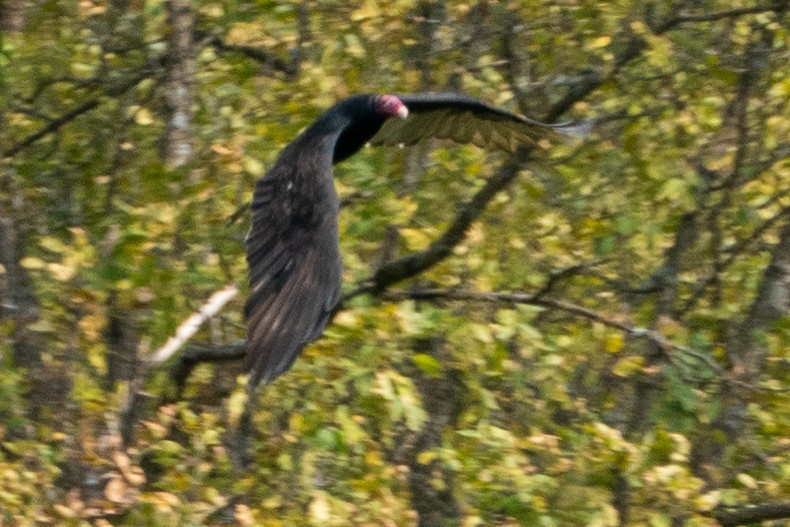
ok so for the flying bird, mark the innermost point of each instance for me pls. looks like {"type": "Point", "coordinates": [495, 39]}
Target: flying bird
{"type": "Point", "coordinates": [292, 246]}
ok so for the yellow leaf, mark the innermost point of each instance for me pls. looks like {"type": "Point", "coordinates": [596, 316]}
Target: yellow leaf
{"type": "Point", "coordinates": [253, 166]}
{"type": "Point", "coordinates": [144, 117]}
{"type": "Point", "coordinates": [319, 509]}
{"type": "Point", "coordinates": [423, 458]}
{"type": "Point", "coordinates": [346, 319]}
{"type": "Point", "coordinates": [428, 364]}
{"type": "Point", "coordinates": [91, 326]}
{"type": "Point", "coordinates": [168, 499]}
{"type": "Point", "coordinates": [416, 239]}
{"type": "Point", "coordinates": [237, 402]}
{"type": "Point", "coordinates": [600, 42]}
{"type": "Point", "coordinates": [628, 365]}
{"type": "Point", "coordinates": [31, 262]}
{"type": "Point", "coordinates": [366, 11]}
{"type": "Point", "coordinates": [221, 149]}
{"type": "Point", "coordinates": [709, 501]}
{"type": "Point", "coordinates": [52, 244]}
{"type": "Point", "coordinates": [41, 326]}
{"type": "Point", "coordinates": [144, 295]}
{"type": "Point", "coordinates": [613, 343]}
{"type": "Point", "coordinates": [354, 47]}
{"type": "Point", "coordinates": [115, 490]}
{"type": "Point", "coordinates": [244, 515]}
{"type": "Point", "coordinates": [135, 476]}
{"type": "Point", "coordinates": [64, 511]}
{"type": "Point", "coordinates": [61, 272]}
{"type": "Point", "coordinates": [747, 481]}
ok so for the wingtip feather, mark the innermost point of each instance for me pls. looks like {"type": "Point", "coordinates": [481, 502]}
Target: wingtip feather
{"type": "Point", "coordinates": [580, 129]}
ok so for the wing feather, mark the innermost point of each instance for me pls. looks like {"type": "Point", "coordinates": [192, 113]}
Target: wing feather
{"type": "Point", "coordinates": [463, 119]}
{"type": "Point", "coordinates": [294, 274]}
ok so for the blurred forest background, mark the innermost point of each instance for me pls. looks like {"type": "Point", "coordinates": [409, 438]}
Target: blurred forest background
{"type": "Point", "coordinates": [600, 337]}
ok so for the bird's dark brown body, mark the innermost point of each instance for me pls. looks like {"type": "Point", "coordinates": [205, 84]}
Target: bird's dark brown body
{"type": "Point", "coordinates": [292, 247]}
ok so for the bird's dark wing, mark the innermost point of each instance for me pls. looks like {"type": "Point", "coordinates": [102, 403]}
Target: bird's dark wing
{"type": "Point", "coordinates": [294, 274]}
{"type": "Point", "coordinates": [463, 119]}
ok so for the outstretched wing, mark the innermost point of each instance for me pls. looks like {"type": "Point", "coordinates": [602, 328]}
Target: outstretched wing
{"type": "Point", "coordinates": [463, 119]}
{"type": "Point", "coordinates": [294, 274]}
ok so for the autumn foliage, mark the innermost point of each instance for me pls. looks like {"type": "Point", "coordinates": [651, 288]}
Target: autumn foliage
{"type": "Point", "coordinates": [599, 335]}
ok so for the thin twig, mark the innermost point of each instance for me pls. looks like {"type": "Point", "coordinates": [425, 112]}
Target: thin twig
{"type": "Point", "coordinates": [525, 298]}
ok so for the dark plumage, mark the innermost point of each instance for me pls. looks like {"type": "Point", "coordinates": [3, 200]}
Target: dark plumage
{"type": "Point", "coordinates": [292, 246]}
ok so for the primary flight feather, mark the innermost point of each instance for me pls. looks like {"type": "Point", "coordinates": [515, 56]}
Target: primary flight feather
{"type": "Point", "coordinates": [292, 246]}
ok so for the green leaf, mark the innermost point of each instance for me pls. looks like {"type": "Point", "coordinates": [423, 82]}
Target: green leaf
{"type": "Point", "coordinates": [428, 364]}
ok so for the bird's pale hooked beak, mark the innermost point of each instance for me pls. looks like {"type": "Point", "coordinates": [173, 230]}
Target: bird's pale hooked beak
{"type": "Point", "coordinates": [402, 111]}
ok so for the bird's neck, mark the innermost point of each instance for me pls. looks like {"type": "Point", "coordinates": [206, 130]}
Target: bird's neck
{"type": "Point", "coordinates": [340, 133]}
{"type": "Point", "coordinates": [318, 140]}
{"type": "Point", "coordinates": [348, 134]}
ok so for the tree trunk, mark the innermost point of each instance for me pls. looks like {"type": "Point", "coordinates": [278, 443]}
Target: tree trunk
{"type": "Point", "coordinates": [13, 14]}
{"type": "Point", "coordinates": [746, 351]}
{"type": "Point", "coordinates": [180, 83]}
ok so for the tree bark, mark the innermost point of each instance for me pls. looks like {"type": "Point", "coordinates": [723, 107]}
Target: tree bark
{"type": "Point", "coordinates": [746, 351]}
{"type": "Point", "coordinates": [431, 484]}
{"type": "Point", "coordinates": [13, 14]}
{"type": "Point", "coordinates": [49, 384]}
{"type": "Point", "coordinates": [179, 93]}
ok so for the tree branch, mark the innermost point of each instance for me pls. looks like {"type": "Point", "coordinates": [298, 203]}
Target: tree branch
{"type": "Point", "coordinates": [737, 250]}
{"type": "Point", "coordinates": [720, 15]}
{"type": "Point", "coordinates": [196, 353]}
{"type": "Point", "coordinates": [415, 263]}
{"type": "Point", "coordinates": [634, 47]}
{"type": "Point", "coordinates": [56, 124]}
{"type": "Point", "coordinates": [51, 127]}
{"type": "Point", "coordinates": [574, 309]}
{"type": "Point", "coordinates": [131, 409]}
{"type": "Point", "coordinates": [192, 324]}
{"type": "Point", "coordinates": [753, 514]}
{"type": "Point", "coordinates": [266, 58]}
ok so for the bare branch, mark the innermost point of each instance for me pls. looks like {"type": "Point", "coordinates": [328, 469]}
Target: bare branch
{"type": "Point", "coordinates": [263, 56]}
{"type": "Point", "coordinates": [568, 307]}
{"type": "Point", "coordinates": [131, 410]}
{"type": "Point", "coordinates": [733, 13]}
{"type": "Point", "coordinates": [735, 252]}
{"type": "Point", "coordinates": [197, 353]}
{"type": "Point", "coordinates": [56, 124]}
{"type": "Point", "coordinates": [415, 263]}
{"type": "Point", "coordinates": [654, 337]}
{"type": "Point", "coordinates": [51, 127]}
{"type": "Point", "coordinates": [746, 352]}
{"type": "Point", "coordinates": [753, 514]}
{"type": "Point", "coordinates": [590, 81]}
{"type": "Point", "coordinates": [557, 276]}
{"type": "Point", "coordinates": [192, 324]}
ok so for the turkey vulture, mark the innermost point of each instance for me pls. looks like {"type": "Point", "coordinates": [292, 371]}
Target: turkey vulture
{"type": "Point", "coordinates": [292, 246]}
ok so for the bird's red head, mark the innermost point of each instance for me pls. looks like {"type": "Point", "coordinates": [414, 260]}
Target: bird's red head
{"type": "Point", "coordinates": [390, 105]}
